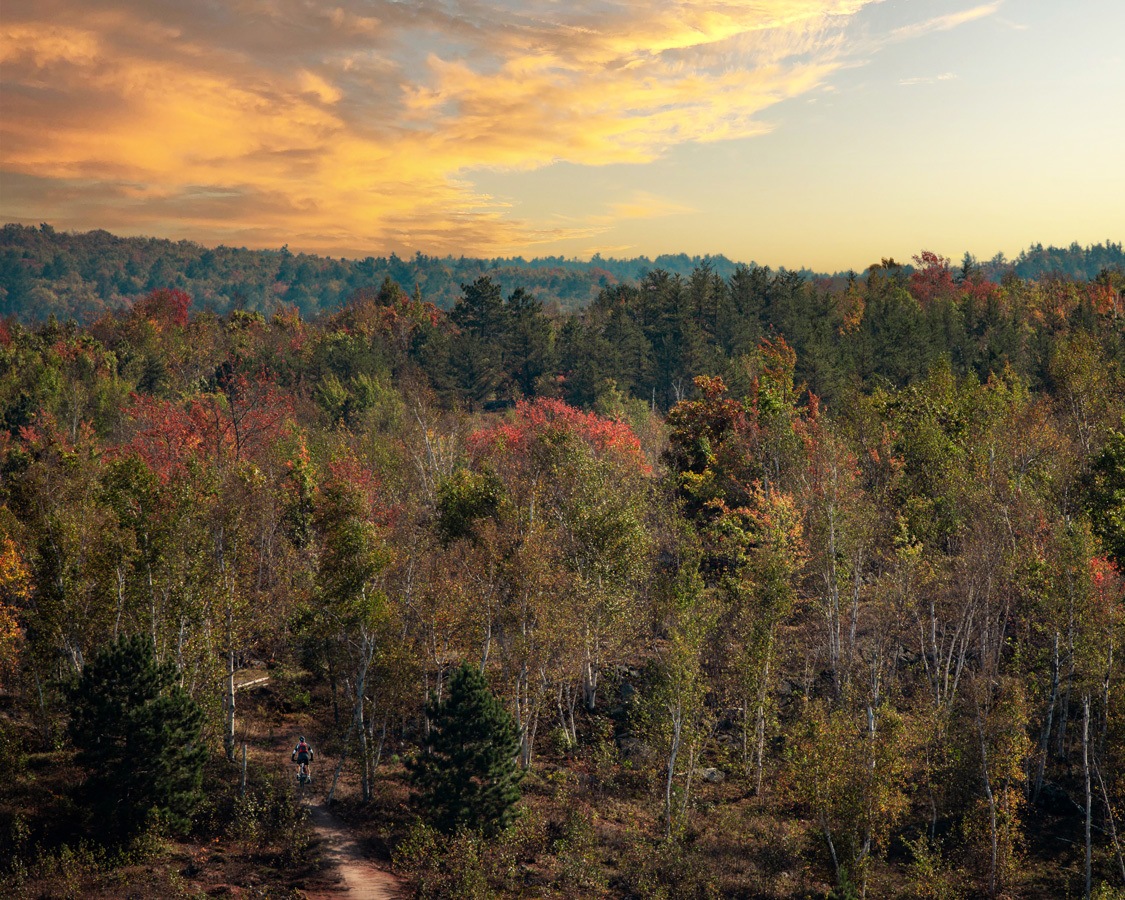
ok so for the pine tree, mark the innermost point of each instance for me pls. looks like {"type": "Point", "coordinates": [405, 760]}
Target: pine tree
{"type": "Point", "coordinates": [527, 341]}
{"type": "Point", "coordinates": [138, 732]}
{"type": "Point", "coordinates": [482, 321]}
{"type": "Point", "coordinates": [468, 776]}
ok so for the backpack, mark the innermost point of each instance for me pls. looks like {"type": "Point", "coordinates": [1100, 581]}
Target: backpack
{"type": "Point", "coordinates": [302, 748]}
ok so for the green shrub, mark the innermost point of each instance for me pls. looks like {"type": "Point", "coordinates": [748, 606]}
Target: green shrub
{"type": "Point", "coordinates": [665, 870]}
{"type": "Point", "coordinates": [445, 867]}
{"type": "Point", "coordinates": [67, 869]}
{"type": "Point", "coordinates": [576, 848]}
{"type": "Point", "coordinates": [12, 750]}
{"type": "Point", "coordinates": [268, 816]}
{"type": "Point", "coordinates": [931, 877]}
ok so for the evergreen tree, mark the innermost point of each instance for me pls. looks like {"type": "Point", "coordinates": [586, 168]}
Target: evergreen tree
{"type": "Point", "coordinates": [477, 349]}
{"type": "Point", "coordinates": [527, 342]}
{"type": "Point", "coordinates": [468, 775]}
{"type": "Point", "coordinates": [137, 731]}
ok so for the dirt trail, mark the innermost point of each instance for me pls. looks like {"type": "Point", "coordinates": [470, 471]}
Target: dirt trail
{"type": "Point", "coordinates": [363, 880]}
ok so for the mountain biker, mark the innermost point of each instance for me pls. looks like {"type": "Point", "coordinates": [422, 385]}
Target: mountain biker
{"type": "Point", "coordinates": [302, 756]}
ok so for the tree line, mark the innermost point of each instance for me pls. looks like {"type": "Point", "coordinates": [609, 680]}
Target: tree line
{"type": "Point", "coordinates": [81, 276]}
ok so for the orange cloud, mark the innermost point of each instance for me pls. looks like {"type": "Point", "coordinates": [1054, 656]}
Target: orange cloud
{"type": "Point", "coordinates": [356, 128]}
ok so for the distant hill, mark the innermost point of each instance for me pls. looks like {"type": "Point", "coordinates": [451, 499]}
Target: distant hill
{"type": "Point", "coordinates": [82, 275]}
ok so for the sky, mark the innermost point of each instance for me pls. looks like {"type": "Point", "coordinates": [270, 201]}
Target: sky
{"type": "Point", "coordinates": [825, 134]}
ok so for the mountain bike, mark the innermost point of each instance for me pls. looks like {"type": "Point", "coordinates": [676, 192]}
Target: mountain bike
{"type": "Point", "coordinates": [304, 774]}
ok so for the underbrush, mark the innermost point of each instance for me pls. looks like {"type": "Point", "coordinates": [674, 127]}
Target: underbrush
{"type": "Point", "coordinates": [259, 838]}
{"type": "Point", "coordinates": [264, 820]}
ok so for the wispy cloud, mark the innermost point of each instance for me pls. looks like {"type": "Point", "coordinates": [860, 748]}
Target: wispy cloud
{"type": "Point", "coordinates": [947, 22]}
{"type": "Point", "coordinates": [927, 79]}
{"type": "Point", "coordinates": [356, 127]}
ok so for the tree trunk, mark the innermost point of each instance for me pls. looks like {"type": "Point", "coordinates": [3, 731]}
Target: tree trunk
{"type": "Point", "coordinates": [853, 626]}
{"type": "Point", "coordinates": [527, 739]}
{"type": "Point", "coordinates": [379, 747]}
{"type": "Point", "coordinates": [990, 797]}
{"type": "Point", "coordinates": [228, 736]}
{"type": "Point", "coordinates": [365, 756]}
{"type": "Point", "coordinates": [1089, 799]}
{"type": "Point", "coordinates": [868, 837]}
{"type": "Point", "coordinates": [1045, 737]}
{"type": "Point", "coordinates": [832, 603]}
{"type": "Point", "coordinates": [760, 725]}
{"type": "Point", "coordinates": [746, 735]}
{"type": "Point", "coordinates": [121, 605]}
{"type": "Point", "coordinates": [677, 727]}
{"type": "Point", "coordinates": [1105, 702]}
{"type": "Point", "coordinates": [339, 765]}
{"type": "Point", "coordinates": [44, 718]}
{"type": "Point", "coordinates": [486, 648]}
{"type": "Point", "coordinates": [589, 684]}
{"type": "Point", "coordinates": [831, 846]}
{"type": "Point", "coordinates": [180, 648]}
{"type": "Point", "coordinates": [527, 717]}
{"type": "Point", "coordinates": [567, 701]}
{"type": "Point", "coordinates": [1060, 748]}
{"type": "Point", "coordinates": [1112, 823]}
{"type": "Point", "coordinates": [358, 725]}
{"type": "Point", "coordinates": [688, 781]}
{"type": "Point", "coordinates": [332, 681]}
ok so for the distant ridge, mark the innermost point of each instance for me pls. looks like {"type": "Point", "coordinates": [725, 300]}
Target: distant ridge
{"type": "Point", "coordinates": [81, 275]}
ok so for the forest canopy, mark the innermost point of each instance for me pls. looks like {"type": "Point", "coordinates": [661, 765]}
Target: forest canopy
{"type": "Point", "coordinates": [772, 573]}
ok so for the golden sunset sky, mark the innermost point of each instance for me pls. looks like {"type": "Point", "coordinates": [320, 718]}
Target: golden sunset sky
{"type": "Point", "coordinates": [820, 133]}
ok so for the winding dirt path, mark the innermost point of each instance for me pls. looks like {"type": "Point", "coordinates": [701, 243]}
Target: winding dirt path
{"type": "Point", "coordinates": [362, 879]}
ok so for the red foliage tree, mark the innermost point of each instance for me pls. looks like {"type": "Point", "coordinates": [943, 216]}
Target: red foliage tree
{"type": "Point", "coordinates": [548, 421]}
{"type": "Point", "coordinates": [166, 437]}
{"type": "Point", "coordinates": [932, 280]}
{"type": "Point", "coordinates": [239, 423]}
{"type": "Point", "coordinates": [348, 476]}
{"type": "Point", "coordinates": [165, 307]}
